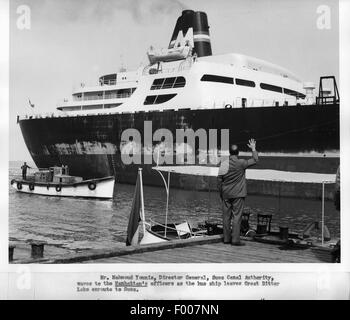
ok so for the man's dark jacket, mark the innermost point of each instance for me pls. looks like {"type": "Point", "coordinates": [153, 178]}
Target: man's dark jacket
{"type": "Point", "coordinates": [231, 177]}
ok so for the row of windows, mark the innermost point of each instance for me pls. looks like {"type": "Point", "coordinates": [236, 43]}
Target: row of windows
{"type": "Point", "coordinates": [294, 93]}
{"type": "Point", "coordinates": [90, 107]}
{"type": "Point", "coordinates": [249, 83]}
{"type": "Point", "coordinates": [120, 93]}
{"type": "Point", "coordinates": [246, 83]}
{"type": "Point", "coordinates": [158, 99]}
{"type": "Point", "coordinates": [167, 83]}
{"type": "Point", "coordinates": [228, 80]}
{"type": "Point", "coordinates": [290, 92]}
{"type": "Point", "coordinates": [270, 87]}
{"type": "Point", "coordinates": [214, 78]}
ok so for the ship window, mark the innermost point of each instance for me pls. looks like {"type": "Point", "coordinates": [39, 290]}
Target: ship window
{"type": "Point", "coordinates": [114, 105]}
{"type": "Point", "coordinates": [214, 78]}
{"type": "Point", "coordinates": [93, 107]}
{"type": "Point", "coordinates": [168, 83]}
{"type": "Point", "coordinates": [164, 97]}
{"type": "Point", "coordinates": [121, 93]}
{"type": "Point", "coordinates": [270, 87]}
{"type": "Point", "coordinates": [294, 93]}
{"type": "Point", "coordinates": [109, 79]}
{"type": "Point", "coordinates": [111, 94]}
{"type": "Point", "coordinates": [180, 82]}
{"type": "Point", "coordinates": [92, 95]}
{"type": "Point", "coordinates": [246, 83]}
{"type": "Point", "coordinates": [157, 84]}
{"type": "Point", "coordinates": [69, 108]}
{"type": "Point", "coordinates": [77, 97]}
{"type": "Point", "coordinates": [158, 99]}
{"type": "Point", "coordinates": [150, 100]}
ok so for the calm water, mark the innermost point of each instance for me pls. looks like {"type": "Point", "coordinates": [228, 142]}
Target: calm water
{"type": "Point", "coordinates": [78, 224]}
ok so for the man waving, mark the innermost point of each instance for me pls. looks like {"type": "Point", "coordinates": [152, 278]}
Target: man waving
{"type": "Point", "coordinates": [233, 190]}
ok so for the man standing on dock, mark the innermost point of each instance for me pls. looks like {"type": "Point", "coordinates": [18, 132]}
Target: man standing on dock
{"type": "Point", "coordinates": [233, 190]}
{"type": "Point", "coordinates": [24, 170]}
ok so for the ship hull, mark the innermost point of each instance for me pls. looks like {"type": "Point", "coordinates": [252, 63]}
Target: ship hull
{"type": "Point", "coordinates": [292, 138]}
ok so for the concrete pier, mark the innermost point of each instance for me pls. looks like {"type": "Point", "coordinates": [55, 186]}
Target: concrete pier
{"type": "Point", "coordinates": [208, 249]}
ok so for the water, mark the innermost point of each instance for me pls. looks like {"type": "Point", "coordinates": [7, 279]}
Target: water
{"type": "Point", "coordinates": [74, 225]}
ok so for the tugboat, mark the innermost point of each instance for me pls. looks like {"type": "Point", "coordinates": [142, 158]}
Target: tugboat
{"type": "Point", "coordinates": [55, 181]}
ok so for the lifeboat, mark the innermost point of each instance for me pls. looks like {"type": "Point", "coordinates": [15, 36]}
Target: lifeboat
{"type": "Point", "coordinates": [167, 55]}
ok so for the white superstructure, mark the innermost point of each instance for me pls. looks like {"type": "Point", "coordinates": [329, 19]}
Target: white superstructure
{"type": "Point", "coordinates": [230, 80]}
{"type": "Point", "coordinates": [176, 78]}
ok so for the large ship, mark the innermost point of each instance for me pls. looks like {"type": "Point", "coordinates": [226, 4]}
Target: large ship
{"type": "Point", "coordinates": [186, 87]}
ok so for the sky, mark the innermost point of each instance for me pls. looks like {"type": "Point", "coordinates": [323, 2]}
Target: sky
{"type": "Point", "coordinates": [74, 41]}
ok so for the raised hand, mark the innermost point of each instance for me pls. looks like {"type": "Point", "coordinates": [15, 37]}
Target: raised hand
{"type": "Point", "coordinates": [251, 145]}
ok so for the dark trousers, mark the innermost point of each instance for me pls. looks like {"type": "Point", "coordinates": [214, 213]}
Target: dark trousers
{"type": "Point", "coordinates": [24, 175]}
{"type": "Point", "coordinates": [232, 210]}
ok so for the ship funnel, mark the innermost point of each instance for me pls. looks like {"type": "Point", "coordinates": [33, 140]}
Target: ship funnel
{"type": "Point", "coordinates": [192, 28]}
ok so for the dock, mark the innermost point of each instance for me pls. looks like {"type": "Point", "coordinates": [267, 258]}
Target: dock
{"type": "Point", "coordinates": [208, 249]}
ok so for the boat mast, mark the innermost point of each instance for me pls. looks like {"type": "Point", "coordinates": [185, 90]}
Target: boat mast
{"type": "Point", "coordinates": [142, 203]}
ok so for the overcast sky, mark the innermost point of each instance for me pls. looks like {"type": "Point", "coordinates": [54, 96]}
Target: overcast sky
{"type": "Point", "coordinates": [70, 42]}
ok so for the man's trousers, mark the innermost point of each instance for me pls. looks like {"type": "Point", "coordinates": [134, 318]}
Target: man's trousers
{"type": "Point", "coordinates": [232, 210]}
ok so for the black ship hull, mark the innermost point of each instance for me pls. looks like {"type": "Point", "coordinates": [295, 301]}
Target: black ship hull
{"type": "Point", "coordinates": [292, 138]}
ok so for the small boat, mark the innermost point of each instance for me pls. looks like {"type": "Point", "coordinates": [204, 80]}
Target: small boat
{"type": "Point", "coordinates": [168, 55]}
{"type": "Point", "coordinates": [152, 231]}
{"type": "Point", "coordinates": [55, 182]}
{"type": "Point", "coordinates": [156, 232]}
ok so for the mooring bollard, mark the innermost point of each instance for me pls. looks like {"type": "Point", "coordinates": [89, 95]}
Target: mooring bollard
{"type": "Point", "coordinates": [211, 226]}
{"type": "Point", "coordinates": [11, 249]}
{"type": "Point", "coordinates": [284, 233]}
{"type": "Point", "coordinates": [37, 249]}
{"type": "Point", "coordinates": [263, 223]}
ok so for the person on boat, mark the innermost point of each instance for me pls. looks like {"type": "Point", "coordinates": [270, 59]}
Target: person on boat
{"type": "Point", "coordinates": [24, 170]}
{"type": "Point", "coordinates": [233, 191]}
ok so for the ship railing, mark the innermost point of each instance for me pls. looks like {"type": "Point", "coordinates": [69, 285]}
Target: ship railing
{"type": "Point", "coordinates": [119, 95]}
{"type": "Point", "coordinates": [115, 82]}
{"type": "Point", "coordinates": [149, 70]}
{"type": "Point", "coordinates": [43, 115]}
{"type": "Point", "coordinates": [92, 98]}
{"type": "Point", "coordinates": [107, 96]}
{"type": "Point", "coordinates": [87, 98]}
{"type": "Point", "coordinates": [226, 104]}
{"type": "Point", "coordinates": [108, 82]}
{"type": "Point", "coordinates": [240, 102]}
{"type": "Point", "coordinates": [326, 100]}
{"type": "Point", "coordinates": [79, 88]}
